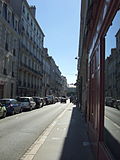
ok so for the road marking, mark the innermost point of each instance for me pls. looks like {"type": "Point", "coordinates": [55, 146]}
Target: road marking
{"type": "Point", "coordinates": [29, 155]}
{"type": "Point", "coordinates": [113, 122]}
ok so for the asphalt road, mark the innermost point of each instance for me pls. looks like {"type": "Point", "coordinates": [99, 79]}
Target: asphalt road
{"type": "Point", "coordinates": [112, 131]}
{"type": "Point", "coordinates": [18, 132]}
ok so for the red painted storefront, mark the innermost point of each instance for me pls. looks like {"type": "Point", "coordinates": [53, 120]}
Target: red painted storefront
{"type": "Point", "coordinates": [103, 12]}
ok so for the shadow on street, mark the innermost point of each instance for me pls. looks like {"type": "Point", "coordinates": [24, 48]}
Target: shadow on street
{"type": "Point", "coordinates": [76, 145]}
{"type": "Point", "coordinates": [112, 143]}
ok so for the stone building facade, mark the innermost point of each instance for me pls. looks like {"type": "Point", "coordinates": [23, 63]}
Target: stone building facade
{"type": "Point", "coordinates": [118, 64]}
{"type": "Point", "coordinates": [112, 71]}
{"type": "Point", "coordinates": [9, 48]}
{"type": "Point", "coordinates": [110, 74]}
{"type": "Point", "coordinates": [64, 86]}
{"type": "Point", "coordinates": [26, 67]}
{"type": "Point", "coordinates": [31, 49]}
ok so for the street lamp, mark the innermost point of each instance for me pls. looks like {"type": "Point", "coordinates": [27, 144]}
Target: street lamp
{"type": "Point", "coordinates": [77, 58]}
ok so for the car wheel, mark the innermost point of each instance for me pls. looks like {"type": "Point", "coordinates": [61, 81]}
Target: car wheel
{"type": "Point", "coordinates": [4, 115]}
{"type": "Point", "coordinates": [13, 112]}
{"type": "Point", "coordinates": [30, 108]}
{"type": "Point", "coordinates": [20, 110]}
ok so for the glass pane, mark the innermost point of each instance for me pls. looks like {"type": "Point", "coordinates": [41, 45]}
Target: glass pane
{"type": "Point", "coordinates": [112, 88]}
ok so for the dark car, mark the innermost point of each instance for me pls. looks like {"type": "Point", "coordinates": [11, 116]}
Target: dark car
{"type": "Point", "coordinates": [12, 106]}
{"type": "Point", "coordinates": [46, 100]}
{"type": "Point", "coordinates": [109, 101]}
{"type": "Point", "coordinates": [43, 101]}
{"type": "Point", "coordinates": [38, 102]}
{"type": "Point", "coordinates": [63, 99]}
{"type": "Point", "coordinates": [117, 104]}
{"type": "Point", "coordinates": [51, 99]}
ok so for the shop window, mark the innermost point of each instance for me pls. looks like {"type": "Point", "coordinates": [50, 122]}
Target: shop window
{"type": "Point", "coordinates": [112, 88]}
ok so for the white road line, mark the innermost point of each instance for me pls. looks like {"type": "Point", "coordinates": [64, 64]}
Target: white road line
{"type": "Point", "coordinates": [113, 122]}
{"type": "Point", "coordinates": [29, 155]}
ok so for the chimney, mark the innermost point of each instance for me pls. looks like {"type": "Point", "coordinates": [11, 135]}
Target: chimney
{"type": "Point", "coordinates": [33, 10]}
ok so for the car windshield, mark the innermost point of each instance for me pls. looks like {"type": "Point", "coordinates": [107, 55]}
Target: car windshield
{"type": "Point", "coordinates": [35, 99]}
{"type": "Point", "coordinates": [23, 100]}
{"type": "Point", "coordinates": [5, 101]}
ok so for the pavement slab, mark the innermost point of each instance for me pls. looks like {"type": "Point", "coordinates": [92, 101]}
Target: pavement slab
{"type": "Point", "coordinates": [65, 139]}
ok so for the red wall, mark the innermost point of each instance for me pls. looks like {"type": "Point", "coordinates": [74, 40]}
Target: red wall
{"type": "Point", "coordinates": [95, 104]}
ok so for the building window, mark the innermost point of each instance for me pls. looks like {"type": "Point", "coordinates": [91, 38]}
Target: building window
{"type": "Point", "coordinates": [29, 63]}
{"type": "Point", "coordinates": [25, 60]}
{"type": "Point", "coordinates": [9, 17]}
{"type": "Point", "coordinates": [0, 8]}
{"type": "Point", "coordinates": [16, 25]}
{"type": "Point", "coordinates": [23, 28]}
{"type": "Point", "coordinates": [5, 66]}
{"type": "Point", "coordinates": [28, 16]}
{"type": "Point", "coordinates": [34, 28]}
{"type": "Point", "coordinates": [13, 20]}
{"type": "Point", "coordinates": [31, 22]}
{"type": "Point", "coordinates": [5, 10]}
{"type": "Point", "coordinates": [13, 73]}
{"type": "Point", "coordinates": [7, 41]}
{"type": "Point", "coordinates": [33, 64]}
{"type": "Point", "coordinates": [24, 9]}
{"type": "Point", "coordinates": [12, 90]}
{"type": "Point", "coordinates": [6, 46]}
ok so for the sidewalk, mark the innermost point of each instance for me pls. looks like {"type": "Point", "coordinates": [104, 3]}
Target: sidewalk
{"type": "Point", "coordinates": [65, 139]}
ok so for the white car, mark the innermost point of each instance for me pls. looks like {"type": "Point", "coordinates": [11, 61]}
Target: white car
{"type": "Point", "coordinates": [27, 102]}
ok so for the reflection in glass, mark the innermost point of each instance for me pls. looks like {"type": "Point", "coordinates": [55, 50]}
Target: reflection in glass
{"type": "Point", "coordinates": [112, 88]}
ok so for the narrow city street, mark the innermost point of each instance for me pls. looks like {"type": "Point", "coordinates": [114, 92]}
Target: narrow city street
{"type": "Point", "coordinates": [112, 130]}
{"type": "Point", "coordinates": [18, 132]}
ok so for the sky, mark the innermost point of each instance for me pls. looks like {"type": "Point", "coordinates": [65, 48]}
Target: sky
{"type": "Point", "coordinates": [59, 20]}
{"type": "Point", "coordinates": [110, 36]}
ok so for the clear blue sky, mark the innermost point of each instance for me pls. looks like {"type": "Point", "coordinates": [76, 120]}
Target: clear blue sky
{"type": "Point", "coordinates": [59, 20]}
{"type": "Point", "coordinates": [110, 36]}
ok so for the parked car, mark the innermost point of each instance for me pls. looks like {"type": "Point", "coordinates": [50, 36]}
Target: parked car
{"type": "Point", "coordinates": [51, 99]}
{"type": "Point", "coordinates": [43, 101]}
{"type": "Point", "coordinates": [3, 111]}
{"type": "Point", "coordinates": [109, 101]}
{"type": "Point", "coordinates": [117, 104]}
{"type": "Point", "coordinates": [46, 99]}
{"type": "Point", "coordinates": [38, 102]}
{"type": "Point", "coordinates": [63, 99]}
{"type": "Point", "coordinates": [12, 105]}
{"type": "Point", "coordinates": [27, 103]}
{"type": "Point", "coordinates": [56, 99]}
